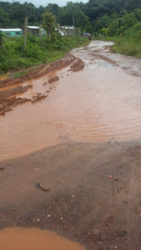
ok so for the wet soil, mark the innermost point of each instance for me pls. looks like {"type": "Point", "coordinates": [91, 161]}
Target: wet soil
{"type": "Point", "coordinates": [9, 99]}
{"type": "Point", "coordinates": [94, 194]}
{"type": "Point", "coordinates": [14, 87]}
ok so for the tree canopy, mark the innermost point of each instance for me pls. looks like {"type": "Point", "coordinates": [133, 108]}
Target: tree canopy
{"type": "Point", "coordinates": [97, 16]}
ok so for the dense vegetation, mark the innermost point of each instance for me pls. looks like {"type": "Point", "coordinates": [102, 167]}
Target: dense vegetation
{"type": "Point", "coordinates": [38, 51]}
{"type": "Point", "coordinates": [119, 20]}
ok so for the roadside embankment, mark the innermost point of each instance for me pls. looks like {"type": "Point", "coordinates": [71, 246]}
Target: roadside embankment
{"type": "Point", "coordinates": [11, 89]}
{"type": "Point", "coordinates": [38, 51]}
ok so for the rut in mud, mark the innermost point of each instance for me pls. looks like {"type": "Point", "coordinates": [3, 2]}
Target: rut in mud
{"type": "Point", "coordinates": [10, 89]}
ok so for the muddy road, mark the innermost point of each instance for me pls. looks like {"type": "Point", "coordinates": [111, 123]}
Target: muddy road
{"type": "Point", "coordinates": [96, 104]}
{"type": "Point", "coordinates": [70, 149]}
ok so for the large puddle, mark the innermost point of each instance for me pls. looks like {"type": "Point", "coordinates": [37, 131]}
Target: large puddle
{"type": "Point", "coordinates": [34, 239]}
{"type": "Point", "coordinates": [100, 103]}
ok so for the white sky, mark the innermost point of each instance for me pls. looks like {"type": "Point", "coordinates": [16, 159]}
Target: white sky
{"type": "Point", "coordinates": [46, 2]}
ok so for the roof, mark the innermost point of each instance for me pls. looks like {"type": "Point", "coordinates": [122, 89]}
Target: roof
{"type": "Point", "coordinates": [10, 30]}
{"type": "Point", "coordinates": [33, 27]}
{"type": "Point", "coordinates": [67, 27]}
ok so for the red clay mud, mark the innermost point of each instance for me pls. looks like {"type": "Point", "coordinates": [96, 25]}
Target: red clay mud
{"type": "Point", "coordinates": [38, 98]}
{"type": "Point", "coordinates": [53, 79]}
{"type": "Point", "coordinates": [8, 98]}
{"type": "Point", "coordinates": [40, 71]}
{"type": "Point", "coordinates": [77, 65]}
{"type": "Point", "coordinates": [13, 88]}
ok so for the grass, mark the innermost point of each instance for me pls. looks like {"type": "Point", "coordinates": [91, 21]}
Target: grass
{"type": "Point", "coordinates": [127, 46]}
{"type": "Point", "coordinates": [38, 51]}
{"type": "Point", "coordinates": [20, 73]}
{"type": "Point", "coordinates": [129, 43]}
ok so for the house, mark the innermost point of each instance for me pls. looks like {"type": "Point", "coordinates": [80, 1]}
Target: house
{"type": "Point", "coordinates": [68, 30]}
{"type": "Point", "coordinates": [36, 30]}
{"type": "Point", "coordinates": [14, 32]}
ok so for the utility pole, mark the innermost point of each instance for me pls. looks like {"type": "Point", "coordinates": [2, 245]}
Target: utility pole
{"type": "Point", "coordinates": [25, 32]}
{"type": "Point", "coordinates": [1, 37]}
{"type": "Point", "coordinates": [73, 21]}
{"type": "Point", "coordinates": [40, 34]}
{"type": "Point", "coordinates": [73, 31]}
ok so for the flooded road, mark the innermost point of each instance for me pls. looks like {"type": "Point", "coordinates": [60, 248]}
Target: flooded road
{"type": "Point", "coordinates": [34, 239]}
{"type": "Point", "coordinates": [98, 104]}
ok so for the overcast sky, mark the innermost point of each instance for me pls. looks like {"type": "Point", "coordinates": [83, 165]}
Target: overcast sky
{"type": "Point", "coordinates": [46, 2]}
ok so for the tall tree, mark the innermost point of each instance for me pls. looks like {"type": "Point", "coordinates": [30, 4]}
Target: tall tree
{"type": "Point", "coordinates": [49, 24]}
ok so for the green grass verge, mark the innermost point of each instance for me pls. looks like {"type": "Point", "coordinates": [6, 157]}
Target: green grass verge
{"type": "Point", "coordinates": [124, 45]}
{"type": "Point", "coordinates": [127, 46]}
{"type": "Point", "coordinates": [38, 51]}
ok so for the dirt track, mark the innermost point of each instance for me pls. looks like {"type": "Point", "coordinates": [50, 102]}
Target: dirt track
{"type": "Point", "coordinates": [88, 192]}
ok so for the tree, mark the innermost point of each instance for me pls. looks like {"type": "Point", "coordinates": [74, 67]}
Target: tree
{"type": "Point", "coordinates": [49, 24]}
{"type": "Point", "coordinates": [3, 18]}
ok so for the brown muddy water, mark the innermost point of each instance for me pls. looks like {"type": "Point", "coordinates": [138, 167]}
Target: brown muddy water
{"type": "Point", "coordinates": [34, 239]}
{"type": "Point", "coordinates": [98, 104]}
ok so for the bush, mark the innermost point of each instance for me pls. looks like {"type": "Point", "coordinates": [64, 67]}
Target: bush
{"type": "Point", "coordinates": [38, 50]}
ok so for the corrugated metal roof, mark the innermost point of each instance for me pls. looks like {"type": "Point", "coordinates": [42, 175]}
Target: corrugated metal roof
{"type": "Point", "coordinates": [10, 30]}
{"type": "Point", "coordinates": [33, 27]}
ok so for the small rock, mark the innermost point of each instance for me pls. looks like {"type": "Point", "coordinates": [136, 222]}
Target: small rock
{"type": "Point", "coordinates": [44, 187]}
{"type": "Point", "coordinates": [73, 196]}
{"type": "Point", "coordinates": [38, 220]}
{"type": "Point", "coordinates": [61, 218]}
{"type": "Point", "coordinates": [49, 215]}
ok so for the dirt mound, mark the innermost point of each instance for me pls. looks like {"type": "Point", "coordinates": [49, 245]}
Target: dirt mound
{"type": "Point", "coordinates": [77, 65]}
{"type": "Point", "coordinates": [39, 71]}
{"type": "Point", "coordinates": [8, 98]}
